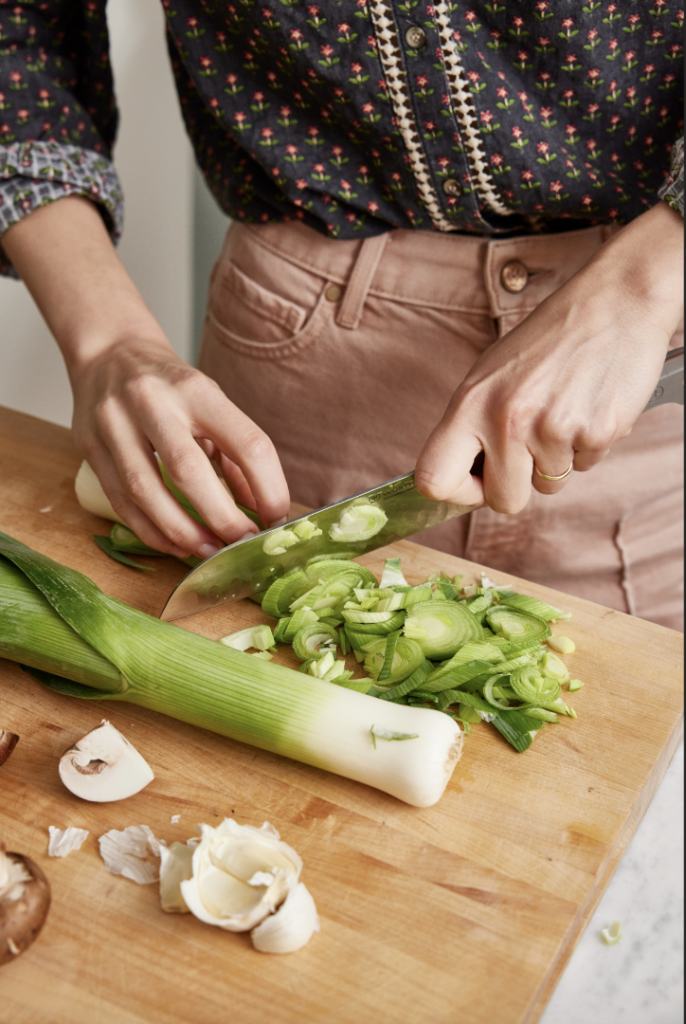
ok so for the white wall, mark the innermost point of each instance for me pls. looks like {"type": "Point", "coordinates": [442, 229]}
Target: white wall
{"type": "Point", "coordinates": [155, 162]}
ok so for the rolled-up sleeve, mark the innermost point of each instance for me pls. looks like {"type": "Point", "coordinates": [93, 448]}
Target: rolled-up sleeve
{"type": "Point", "coordinates": [58, 116]}
{"type": "Point", "coordinates": [673, 189]}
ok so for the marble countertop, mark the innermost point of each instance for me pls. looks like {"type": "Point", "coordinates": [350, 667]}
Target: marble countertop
{"type": "Point", "coordinates": [639, 980]}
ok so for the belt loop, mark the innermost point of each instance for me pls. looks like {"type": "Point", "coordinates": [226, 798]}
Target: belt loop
{"type": "Point", "coordinates": [357, 288]}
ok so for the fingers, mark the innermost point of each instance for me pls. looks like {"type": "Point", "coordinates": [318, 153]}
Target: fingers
{"type": "Point", "coordinates": [260, 476]}
{"type": "Point", "coordinates": [139, 494]}
{"type": "Point", "coordinates": [237, 484]}
{"type": "Point", "coordinates": [125, 507]}
{"type": "Point", "coordinates": [443, 467]}
{"type": "Point", "coordinates": [507, 478]}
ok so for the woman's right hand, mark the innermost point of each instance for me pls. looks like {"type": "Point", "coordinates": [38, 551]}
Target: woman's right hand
{"type": "Point", "coordinates": [133, 396]}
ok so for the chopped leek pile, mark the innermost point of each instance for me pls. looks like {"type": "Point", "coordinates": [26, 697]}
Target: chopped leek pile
{"type": "Point", "coordinates": [476, 653]}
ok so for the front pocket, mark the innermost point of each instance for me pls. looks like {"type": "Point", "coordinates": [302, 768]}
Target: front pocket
{"type": "Point", "coordinates": [251, 312]}
{"type": "Point", "coordinates": [253, 321]}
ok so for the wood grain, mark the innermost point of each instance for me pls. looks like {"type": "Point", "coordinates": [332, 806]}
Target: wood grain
{"type": "Point", "coordinates": [466, 911]}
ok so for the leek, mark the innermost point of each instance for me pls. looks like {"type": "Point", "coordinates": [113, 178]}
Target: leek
{"type": "Point", "coordinates": [533, 606]}
{"type": "Point", "coordinates": [392, 575]}
{"type": "Point", "coordinates": [561, 644]}
{"type": "Point", "coordinates": [168, 669]}
{"type": "Point", "coordinates": [440, 627]}
{"type": "Point", "coordinates": [358, 523]}
{"type": "Point", "coordinates": [259, 637]}
{"type": "Point", "coordinates": [516, 625]}
{"type": "Point", "coordinates": [392, 659]}
{"type": "Point", "coordinates": [311, 640]}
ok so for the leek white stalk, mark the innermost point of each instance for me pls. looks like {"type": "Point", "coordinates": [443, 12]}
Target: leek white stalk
{"type": "Point", "coordinates": [168, 669]}
{"type": "Point", "coordinates": [91, 496]}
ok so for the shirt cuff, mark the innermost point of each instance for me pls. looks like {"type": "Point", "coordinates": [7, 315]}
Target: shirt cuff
{"type": "Point", "coordinates": [33, 174]}
{"type": "Point", "coordinates": [673, 189]}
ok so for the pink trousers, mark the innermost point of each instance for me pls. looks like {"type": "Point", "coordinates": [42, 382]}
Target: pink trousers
{"type": "Point", "coordinates": [346, 353]}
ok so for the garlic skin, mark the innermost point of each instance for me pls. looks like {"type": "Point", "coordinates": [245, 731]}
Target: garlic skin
{"type": "Point", "coordinates": [240, 875]}
{"type": "Point", "coordinates": [103, 766]}
{"type": "Point", "coordinates": [123, 853]}
{"type": "Point", "coordinates": [63, 841]}
{"type": "Point", "coordinates": [176, 866]}
{"type": "Point", "coordinates": [291, 927]}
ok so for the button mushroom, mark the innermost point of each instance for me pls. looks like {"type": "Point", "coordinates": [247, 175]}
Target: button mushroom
{"type": "Point", "coordinates": [103, 766]}
{"type": "Point", "coordinates": [24, 903]}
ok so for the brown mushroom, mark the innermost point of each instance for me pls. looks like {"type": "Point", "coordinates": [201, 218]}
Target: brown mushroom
{"type": "Point", "coordinates": [8, 741]}
{"type": "Point", "coordinates": [24, 903]}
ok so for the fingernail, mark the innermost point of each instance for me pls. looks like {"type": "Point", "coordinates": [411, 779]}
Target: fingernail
{"type": "Point", "coordinates": [277, 522]}
{"type": "Point", "coordinates": [247, 536]}
{"type": "Point", "coordinates": [180, 552]}
{"type": "Point", "coordinates": [207, 550]}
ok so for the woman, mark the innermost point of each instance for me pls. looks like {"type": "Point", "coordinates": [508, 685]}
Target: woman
{"type": "Point", "coordinates": [426, 263]}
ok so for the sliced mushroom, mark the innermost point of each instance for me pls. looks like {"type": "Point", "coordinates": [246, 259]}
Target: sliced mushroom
{"type": "Point", "coordinates": [103, 766]}
{"type": "Point", "coordinates": [24, 903]}
{"type": "Point", "coordinates": [8, 741]}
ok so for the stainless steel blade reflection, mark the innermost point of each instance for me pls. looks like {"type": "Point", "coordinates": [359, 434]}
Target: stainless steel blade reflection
{"type": "Point", "coordinates": [243, 569]}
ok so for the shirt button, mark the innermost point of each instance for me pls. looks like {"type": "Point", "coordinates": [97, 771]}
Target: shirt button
{"type": "Point", "coordinates": [514, 276]}
{"type": "Point", "coordinates": [333, 292]}
{"type": "Point", "coordinates": [452, 187]}
{"type": "Point", "coordinates": [415, 37]}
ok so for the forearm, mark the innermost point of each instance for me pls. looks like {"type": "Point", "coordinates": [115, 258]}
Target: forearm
{"type": "Point", "coordinates": [67, 261]}
{"type": "Point", "coordinates": [646, 260]}
{"type": "Point", "coordinates": [134, 397]}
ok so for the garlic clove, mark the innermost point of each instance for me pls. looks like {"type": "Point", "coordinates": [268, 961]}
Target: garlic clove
{"type": "Point", "coordinates": [240, 875]}
{"type": "Point", "coordinates": [103, 766]}
{"type": "Point", "coordinates": [291, 927]}
{"type": "Point", "coordinates": [63, 841]}
{"type": "Point", "coordinates": [176, 866]}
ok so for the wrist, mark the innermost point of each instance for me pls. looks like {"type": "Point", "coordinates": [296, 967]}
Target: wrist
{"type": "Point", "coordinates": [646, 257]}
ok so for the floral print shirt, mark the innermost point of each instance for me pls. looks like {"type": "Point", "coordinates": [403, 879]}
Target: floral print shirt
{"type": "Point", "coordinates": [358, 116]}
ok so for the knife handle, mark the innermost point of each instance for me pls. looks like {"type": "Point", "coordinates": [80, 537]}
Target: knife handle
{"type": "Point", "coordinates": [670, 386]}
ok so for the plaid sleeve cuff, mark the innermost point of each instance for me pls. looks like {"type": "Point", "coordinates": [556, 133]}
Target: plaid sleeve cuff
{"type": "Point", "coordinates": [33, 174]}
{"type": "Point", "coordinates": [673, 189]}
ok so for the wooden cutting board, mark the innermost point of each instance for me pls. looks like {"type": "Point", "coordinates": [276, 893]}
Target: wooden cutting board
{"type": "Point", "coordinates": [466, 911]}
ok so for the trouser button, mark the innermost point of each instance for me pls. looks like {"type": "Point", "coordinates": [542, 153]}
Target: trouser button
{"type": "Point", "coordinates": [514, 276]}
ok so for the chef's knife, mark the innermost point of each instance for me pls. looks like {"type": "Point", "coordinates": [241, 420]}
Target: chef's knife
{"type": "Point", "coordinates": [245, 568]}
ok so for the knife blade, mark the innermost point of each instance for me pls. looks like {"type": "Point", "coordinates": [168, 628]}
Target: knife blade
{"type": "Point", "coordinates": [245, 568]}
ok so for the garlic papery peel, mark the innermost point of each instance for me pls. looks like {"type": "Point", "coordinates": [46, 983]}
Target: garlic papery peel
{"type": "Point", "coordinates": [124, 853]}
{"type": "Point", "coordinates": [63, 841]}
{"type": "Point", "coordinates": [291, 927]}
{"type": "Point", "coordinates": [103, 766]}
{"type": "Point", "coordinates": [176, 866]}
{"type": "Point", "coordinates": [240, 875]}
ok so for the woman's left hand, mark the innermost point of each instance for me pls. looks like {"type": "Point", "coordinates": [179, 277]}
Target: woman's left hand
{"type": "Point", "coordinates": [569, 381]}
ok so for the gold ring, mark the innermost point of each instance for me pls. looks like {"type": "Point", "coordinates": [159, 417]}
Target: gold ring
{"type": "Point", "coordinates": [555, 478]}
